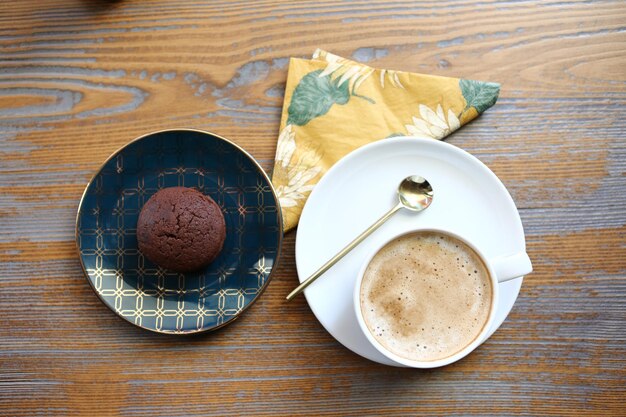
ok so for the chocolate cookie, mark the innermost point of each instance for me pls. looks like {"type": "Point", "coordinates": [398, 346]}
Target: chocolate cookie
{"type": "Point", "coordinates": [181, 229]}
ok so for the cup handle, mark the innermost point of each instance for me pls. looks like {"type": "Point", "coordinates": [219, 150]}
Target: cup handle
{"type": "Point", "coordinates": [511, 266]}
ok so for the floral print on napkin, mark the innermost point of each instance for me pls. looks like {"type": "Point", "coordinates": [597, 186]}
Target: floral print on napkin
{"type": "Point", "coordinates": [334, 105]}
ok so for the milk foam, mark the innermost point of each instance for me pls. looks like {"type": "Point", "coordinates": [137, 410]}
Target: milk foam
{"type": "Point", "coordinates": [426, 296]}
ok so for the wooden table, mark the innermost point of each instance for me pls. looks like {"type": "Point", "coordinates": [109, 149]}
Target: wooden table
{"type": "Point", "coordinates": [78, 79]}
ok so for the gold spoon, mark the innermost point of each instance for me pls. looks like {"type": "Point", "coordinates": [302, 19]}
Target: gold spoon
{"type": "Point", "coordinates": [414, 193]}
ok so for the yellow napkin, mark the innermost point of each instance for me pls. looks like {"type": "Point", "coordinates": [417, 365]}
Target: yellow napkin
{"type": "Point", "coordinates": [334, 105]}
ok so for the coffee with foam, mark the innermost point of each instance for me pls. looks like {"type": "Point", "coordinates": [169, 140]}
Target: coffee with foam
{"type": "Point", "coordinates": [426, 296]}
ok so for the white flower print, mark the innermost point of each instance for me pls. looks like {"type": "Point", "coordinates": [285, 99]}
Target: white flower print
{"type": "Point", "coordinates": [433, 125]}
{"type": "Point", "coordinates": [352, 72]}
{"type": "Point", "coordinates": [293, 177]}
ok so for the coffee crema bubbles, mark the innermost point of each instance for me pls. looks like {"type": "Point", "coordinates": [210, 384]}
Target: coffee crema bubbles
{"type": "Point", "coordinates": [426, 296]}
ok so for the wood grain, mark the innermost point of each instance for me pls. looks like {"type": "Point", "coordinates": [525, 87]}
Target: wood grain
{"type": "Point", "coordinates": [78, 79]}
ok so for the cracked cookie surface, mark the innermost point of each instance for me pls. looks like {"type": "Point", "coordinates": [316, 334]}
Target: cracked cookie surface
{"type": "Point", "coordinates": [181, 229]}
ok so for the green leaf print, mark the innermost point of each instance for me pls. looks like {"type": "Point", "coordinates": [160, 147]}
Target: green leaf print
{"type": "Point", "coordinates": [314, 96]}
{"type": "Point", "coordinates": [478, 94]}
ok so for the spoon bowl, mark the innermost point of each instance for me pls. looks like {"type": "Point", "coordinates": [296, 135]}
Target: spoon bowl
{"type": "Point", "coordinates": [415, 193]}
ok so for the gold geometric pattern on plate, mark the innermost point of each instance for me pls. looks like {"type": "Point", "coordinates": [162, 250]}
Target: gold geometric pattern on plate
{"type": "Point", "coordinates": [158, 299]}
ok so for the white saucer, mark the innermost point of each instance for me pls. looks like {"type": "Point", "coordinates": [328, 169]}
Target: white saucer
{"type": "Point", "coordinates": [468, 199]}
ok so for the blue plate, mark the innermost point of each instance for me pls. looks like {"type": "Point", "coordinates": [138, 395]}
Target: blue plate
{"type": "Point", "coordinates": [157, 299]}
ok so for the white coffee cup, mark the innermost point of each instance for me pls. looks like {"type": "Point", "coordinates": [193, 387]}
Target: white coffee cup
{"type": "Point", "coordinates": [500, 269]}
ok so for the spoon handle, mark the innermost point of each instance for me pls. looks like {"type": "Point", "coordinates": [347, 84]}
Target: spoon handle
{"type": "Point", "coordinates": [343, 252]}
